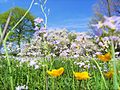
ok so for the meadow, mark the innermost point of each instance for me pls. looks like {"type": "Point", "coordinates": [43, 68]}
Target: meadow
{"type": "Point", "coordinates": [63, 60]}
{"type": "Point", "coordinates": [25, 77]}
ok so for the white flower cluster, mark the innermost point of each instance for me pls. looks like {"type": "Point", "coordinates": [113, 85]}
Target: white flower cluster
{"type": "Point", "coordinates": [106, 31]}
{"type": "Point", "coordinates": [59, 43]}
{"type": "Point", "coordinates": [84, 63]}
{"type": "Point", "coordinates": [21, 87]}
{"type": "Point", "coordinates": [12, 48]}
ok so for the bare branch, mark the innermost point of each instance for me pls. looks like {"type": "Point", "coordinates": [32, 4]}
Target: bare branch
{"type": "Point", "coordinates": [5, 28]}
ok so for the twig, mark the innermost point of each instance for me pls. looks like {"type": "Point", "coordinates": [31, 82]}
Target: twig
{"type": "Point", "coordinates": [5, 28]}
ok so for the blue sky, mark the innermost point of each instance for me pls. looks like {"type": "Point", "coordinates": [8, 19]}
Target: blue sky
{"type": "Point", "coordinates": [71, 14]}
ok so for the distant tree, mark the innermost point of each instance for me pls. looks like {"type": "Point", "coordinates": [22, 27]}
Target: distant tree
{"type": "Point", "coordinates": [24, 31]}
{"type": "Point", "coordinates": [109, 7]}
{"type": "Point", "coordinates": [116, 7]}
{"type": "Point", "coordinates": [104, 8]}
{"type": "Point", "coordinates": [101, 8]}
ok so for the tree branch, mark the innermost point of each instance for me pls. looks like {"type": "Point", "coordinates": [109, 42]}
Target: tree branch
{"type": "Point", "coordinates": [5, 28]}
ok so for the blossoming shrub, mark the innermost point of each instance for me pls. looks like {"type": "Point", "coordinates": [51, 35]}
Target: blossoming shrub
{"type": "Point", "coordinates": [60, 43]}
{"type": "Point", "coordinates": [105, 31]}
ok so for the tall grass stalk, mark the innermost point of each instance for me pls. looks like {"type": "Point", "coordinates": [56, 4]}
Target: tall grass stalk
{"type": "Point", "coordinates": [73, 82]}
{"type": "Point", "coordinates": [115, 82]}
{"type": "Point", "coordinates": [44, 77]}
{"type": "Point", "coordinates": [9, 66]}
{"type": "Point", "coordinates": [101, 73]}
{"type": "Point", "coordinates": [53, 83]}
{"type": "Point", "coordinates": [6, 51]}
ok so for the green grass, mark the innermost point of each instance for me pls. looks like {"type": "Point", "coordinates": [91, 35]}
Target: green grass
{"type": "Point", "coordinates": [39, 79]}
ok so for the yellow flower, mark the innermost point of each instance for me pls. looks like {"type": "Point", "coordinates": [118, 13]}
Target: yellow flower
{"type": "Point", "coordinates": [109, 74]}
{"type": "Point", "coordinates": [81, 75]}
{"type": "Point", "coordinates": [105, 57]}
{"type": "Point", "coordinates": [56, 72]}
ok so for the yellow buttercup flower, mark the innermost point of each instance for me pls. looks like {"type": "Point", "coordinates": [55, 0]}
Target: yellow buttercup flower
{"type": "Point", "coordinates": [81, 75]}
{"type": "Point", "coordinates": [109, 74]}
{"type": "Point", "coordinates": [105, 57]}
{"type": "Point", "coordinates": [56, 72]}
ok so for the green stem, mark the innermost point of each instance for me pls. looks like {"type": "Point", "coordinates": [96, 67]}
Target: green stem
{"type": "Point", "coordinates": [73, 76]}
{"type": "Point", "coordinates": [9, 66]}
{"type": "Point", "coordinates": [44, 71]}
{"type": "Point", "coordinates": [4, 43]}
{"type": "Point", "coordinates": [28, 76]}
{"type": "Point", "coordinates": [44, 77]}
{"type": "Point", "coordinates": [101, 73]}
{"type": "Point", "coordinates": [87, 85]}
{"type": "Point", "coordinates": [115, 82]}
{"type": "Point", "coordinates": [53, 83]}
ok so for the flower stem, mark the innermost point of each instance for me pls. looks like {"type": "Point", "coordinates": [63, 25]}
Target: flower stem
{"type": "Point", "coordinates": [44, 77]}
{"type": "Point", "coordinates": [101, 73]}
{"type": "Point", "coordinates": [53, 83]}
{"type": "Point", "coordinates": [73, 85]}
{"type": "Point", "coordinates": [9, 66]}
{"type": "Point", "coordinates": [6, 51]}
{"type": "Point", "coordinates": [115, 83]}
